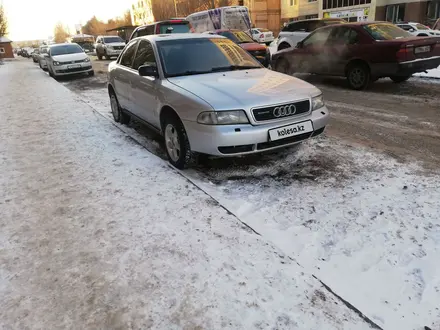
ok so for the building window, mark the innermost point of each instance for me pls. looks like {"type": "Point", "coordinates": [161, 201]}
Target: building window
{"type": "Point", "coordinates": [395, 13]}
{"type": "Point", "coordinates": [311, 16]}
{"type": "Point", "coordinates": [433, 10]}
{"type": "Point", "coordinates": [330, 4]}
{"type": "Point", "coordinates": [292, 2]}
{"type": "Point", "coordinates": [2, 51]}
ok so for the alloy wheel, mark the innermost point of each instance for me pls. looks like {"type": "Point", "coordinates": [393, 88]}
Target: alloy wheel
{"type": "Point", "coordinates": [115, 107]}
{"type": "Point", "coordinates": [172, 142]}
{"type": "Point", "coordinates": [357, 77]}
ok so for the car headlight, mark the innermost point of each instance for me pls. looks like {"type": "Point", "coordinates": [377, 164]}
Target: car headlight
{"type": "Point", "coordinates": [87, 59]}
{"type": "Point", "coordinates": [56, 63]}
{"type": "Point", "coordinates": [223, 117]}
{"type": "Point", "coordinates": [317, 102]}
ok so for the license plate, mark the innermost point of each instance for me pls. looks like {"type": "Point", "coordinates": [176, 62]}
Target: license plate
{"type": "Point", "coordinates": [423, 49]}
{"type": "Point", "coordinates": [74, 66]}
{"type": "Point", "coordinates": [290, 130]}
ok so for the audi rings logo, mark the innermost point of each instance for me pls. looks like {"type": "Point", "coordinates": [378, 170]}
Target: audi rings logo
{"type": "Point", "coordinates": [285, 110]}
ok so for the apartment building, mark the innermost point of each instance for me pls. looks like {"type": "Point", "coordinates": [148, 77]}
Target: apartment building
{"type": "Point", "coordinates": [265, 13]}
{"type": "Point", "coordinates": [426, 12]}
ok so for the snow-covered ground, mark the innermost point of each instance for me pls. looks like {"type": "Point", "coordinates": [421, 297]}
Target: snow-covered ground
{"type": "Point", "coordinates": [97, 233]}
{"type": "Point", "coordinates": [362, 222]}
{"type": "Point", "coordinates": [435, 73]}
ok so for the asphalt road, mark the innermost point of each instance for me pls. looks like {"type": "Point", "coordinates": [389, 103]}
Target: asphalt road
{"type": "Point", "coordinates": [401, 120]}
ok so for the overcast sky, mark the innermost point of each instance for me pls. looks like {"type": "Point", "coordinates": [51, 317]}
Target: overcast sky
{"type": "Point", "coordinates": [35, 19]}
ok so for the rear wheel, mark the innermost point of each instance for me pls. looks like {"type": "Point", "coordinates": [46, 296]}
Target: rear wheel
{"type": "Point", "coordinates": [118, 115]}
{"type": "Point", "coordinates": [358, 76]}
{"type": "Point", "coordinates": [176, 142]}
{"type": "Point", "coordinates": [400, 79]}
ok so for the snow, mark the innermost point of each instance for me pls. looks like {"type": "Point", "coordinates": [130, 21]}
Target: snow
{"type": "Point", "coordinates": [362, 222]}
{"type": "Point", "coordinates": [434, 73]}
{"type": "Point", "coordinates": [96, 232]}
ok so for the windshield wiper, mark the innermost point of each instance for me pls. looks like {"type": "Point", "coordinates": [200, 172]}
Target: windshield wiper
{"type": "Point", "coordinates": [187, 73]}
{"type": "Point", "coordinates": [234, 67]}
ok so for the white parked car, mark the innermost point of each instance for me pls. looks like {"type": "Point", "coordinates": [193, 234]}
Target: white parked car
{"type": "Point", "coordinates": [297, 31]}
{"type": "Point", "coordinates": [66, 59]}
{"type": "Point", "coordinates": [42, 57]}
{"type": "Point", "coordinates": [419, 30]}
{"type": "Point", "coordinates": [109, 46]}
{"type": "Point", "coordinates": [262, 35]}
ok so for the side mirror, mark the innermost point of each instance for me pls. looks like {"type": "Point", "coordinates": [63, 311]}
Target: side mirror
{"type": "Point", "coordinates": [299, 45]}
{"type": "Point", "coordinates": [148, 71]}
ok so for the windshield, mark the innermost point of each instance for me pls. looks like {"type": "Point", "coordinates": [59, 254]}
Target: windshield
{"type": "Point", "coordinates": [174, 28]}
{"type": "Point", "coordinates": [203, 55]}
{"type": "Point", "coordinates": [65, 49]}
{"type": "Point", "coordinates": [386, 31]}
{"type": "Point", "coordinates": [110, 40]}
{"type": "Point", "coordinates": [238, 37]}
{"type": "Point", "coordinates": [421, 27]}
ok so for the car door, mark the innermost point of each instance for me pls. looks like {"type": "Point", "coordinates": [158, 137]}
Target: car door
{"type": "Point", "coordinates": [311, 54]}
{"type": "Point", "coordinates": [145, 89]}
{"type": "Point", "coordinates": [342, 45]}
{"type": "Point", "coordinates": [124, 74]}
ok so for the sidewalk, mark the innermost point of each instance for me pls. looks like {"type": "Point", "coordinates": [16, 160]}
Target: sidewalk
{"type": "Point", "coordinates": [96, 233]}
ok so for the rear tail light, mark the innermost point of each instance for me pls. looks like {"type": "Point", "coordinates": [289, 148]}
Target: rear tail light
{"type": "Point", "coordinates": [402, 53]}
{"type": "Point", "coordinates": [157, 29]}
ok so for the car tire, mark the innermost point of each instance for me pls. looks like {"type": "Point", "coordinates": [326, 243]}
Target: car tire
{"type": "Point", "coordinates": [91, 73]}
{"type": "Point", "coordinates": [118, 115]}
{"type": "Point", "coordinates": [400, 79]}
{"type": "Point", "coordinates": [282, 65]}
{"type": "Point", "coordinates": [358, 76]}
{"type": "Point", "coordinates": [176, 142]}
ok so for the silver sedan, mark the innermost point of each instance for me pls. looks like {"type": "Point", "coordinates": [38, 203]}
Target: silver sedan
{"type": "Point", "coordinates": [207, 95]}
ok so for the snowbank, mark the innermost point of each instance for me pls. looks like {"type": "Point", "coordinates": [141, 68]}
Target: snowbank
{"type": "Point", "coordinates": [435, 73]}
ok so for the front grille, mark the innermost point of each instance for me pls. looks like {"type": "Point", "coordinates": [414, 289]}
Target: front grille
{"type": "Point", "coordinates": [118, 47]}
{"type": "Point", "coordinates": [84, 68]}
{"type": "Point", "coordinates": [267, 113]}
{"type": "Point", "coordinates": [236, 149]}
{"type": "Point", "coordinates": [71, 62]}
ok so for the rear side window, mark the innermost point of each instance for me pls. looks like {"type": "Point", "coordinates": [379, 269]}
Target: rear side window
{"type": "Point", "coordinates": [128, 55]}
{"type": "Point", "coordinates": [174, 28]}
{"type": "Point", "coordinates": [344, 36]}
{"type": "Point", "coordinates": [386, 31]}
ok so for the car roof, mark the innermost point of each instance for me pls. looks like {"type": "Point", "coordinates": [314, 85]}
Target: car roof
{"type": "Point", "coordinates": [171, 20]}
{"type": "Point", "coordinates": [356, 24]}
{"type": "Point", "coordinates": [64, 44]}
{"type": "Point", "coordinates": [179, 36]}
{"type": "Point", "coordinates": [317, 20]}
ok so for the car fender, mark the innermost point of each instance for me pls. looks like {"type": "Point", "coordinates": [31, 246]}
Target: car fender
{"type": "Point", "coordinates": [285, 40]}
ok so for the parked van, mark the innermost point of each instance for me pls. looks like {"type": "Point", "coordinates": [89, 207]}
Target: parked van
{"type": "Point", "coordinates": [223, 18]}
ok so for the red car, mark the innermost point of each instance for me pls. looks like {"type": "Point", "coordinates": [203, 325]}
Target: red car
{"type": "Point", "coordinates": [362, 52]}
{"type": "Point", "coordinates": [260, 52]}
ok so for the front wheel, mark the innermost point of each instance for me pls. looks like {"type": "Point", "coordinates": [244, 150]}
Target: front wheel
{"type": "Point", "coordinates": [400, 79]}
{"type": "Point", "coordinates": [118, 115]}
{"type": "Point", "coordinates": [91, 73]}
{"type": "Point", "coordinates": [282, 65]}
{"type": "Point", "coordinates": [176, 143]}
{"type": "Point", "coordinates": [358, 76]}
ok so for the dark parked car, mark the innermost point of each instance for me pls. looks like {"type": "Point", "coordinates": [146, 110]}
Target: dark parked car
{"type": "Point", "coordinates": [258, 51]}
{"type": "Point", "coordinates": [362, 52]}
{"type": "Point", "coordinates": [176, 25]}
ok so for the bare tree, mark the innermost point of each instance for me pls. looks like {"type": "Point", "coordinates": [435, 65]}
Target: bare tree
{"type": "Point", "coordinates": [163, 9]}
{"type": "Point", "coordinates": [3, 22]}
{"type": "Point", "coordinates": [60, 33]}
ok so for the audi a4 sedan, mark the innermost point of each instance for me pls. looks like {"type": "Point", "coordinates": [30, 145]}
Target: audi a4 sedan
{"type": "Point", "coordinates": [206, 95]}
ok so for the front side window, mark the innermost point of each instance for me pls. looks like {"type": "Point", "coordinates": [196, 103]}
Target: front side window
{"type": "Point", "coordinates": [65, 49]}
{"type": "Point", "coordinates": [144, 55]}
{"type": "Point", "coordinates": [405, 27]}
{"type": "Point", "coordinates": [380, 31]}
{"type": "Point", "coordinates": [344, 36]}
{"type": "Point", "coordinates": [318, 38]}
{"type": "Point", "coordinates": [203, 55]}
{"type": "Point", "coordinates": [110, 40]}
{"type": "Point", "coordinates": [128, 56]}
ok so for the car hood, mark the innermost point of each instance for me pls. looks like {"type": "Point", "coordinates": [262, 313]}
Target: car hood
{"type": "Point", "coordinates": [245, 89]}
{"type": "Point", "coordinates": [70, 57]}
{"type": "Point", "coordinates": [116, 44]}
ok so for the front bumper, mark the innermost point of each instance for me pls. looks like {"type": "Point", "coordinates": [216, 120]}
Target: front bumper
{"type": "Point", "coordinates": [64, 70]}
{"type": "Point", "coordinates": [113, 52]}
{"type": "Point", "coordinates": [236, 140]}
